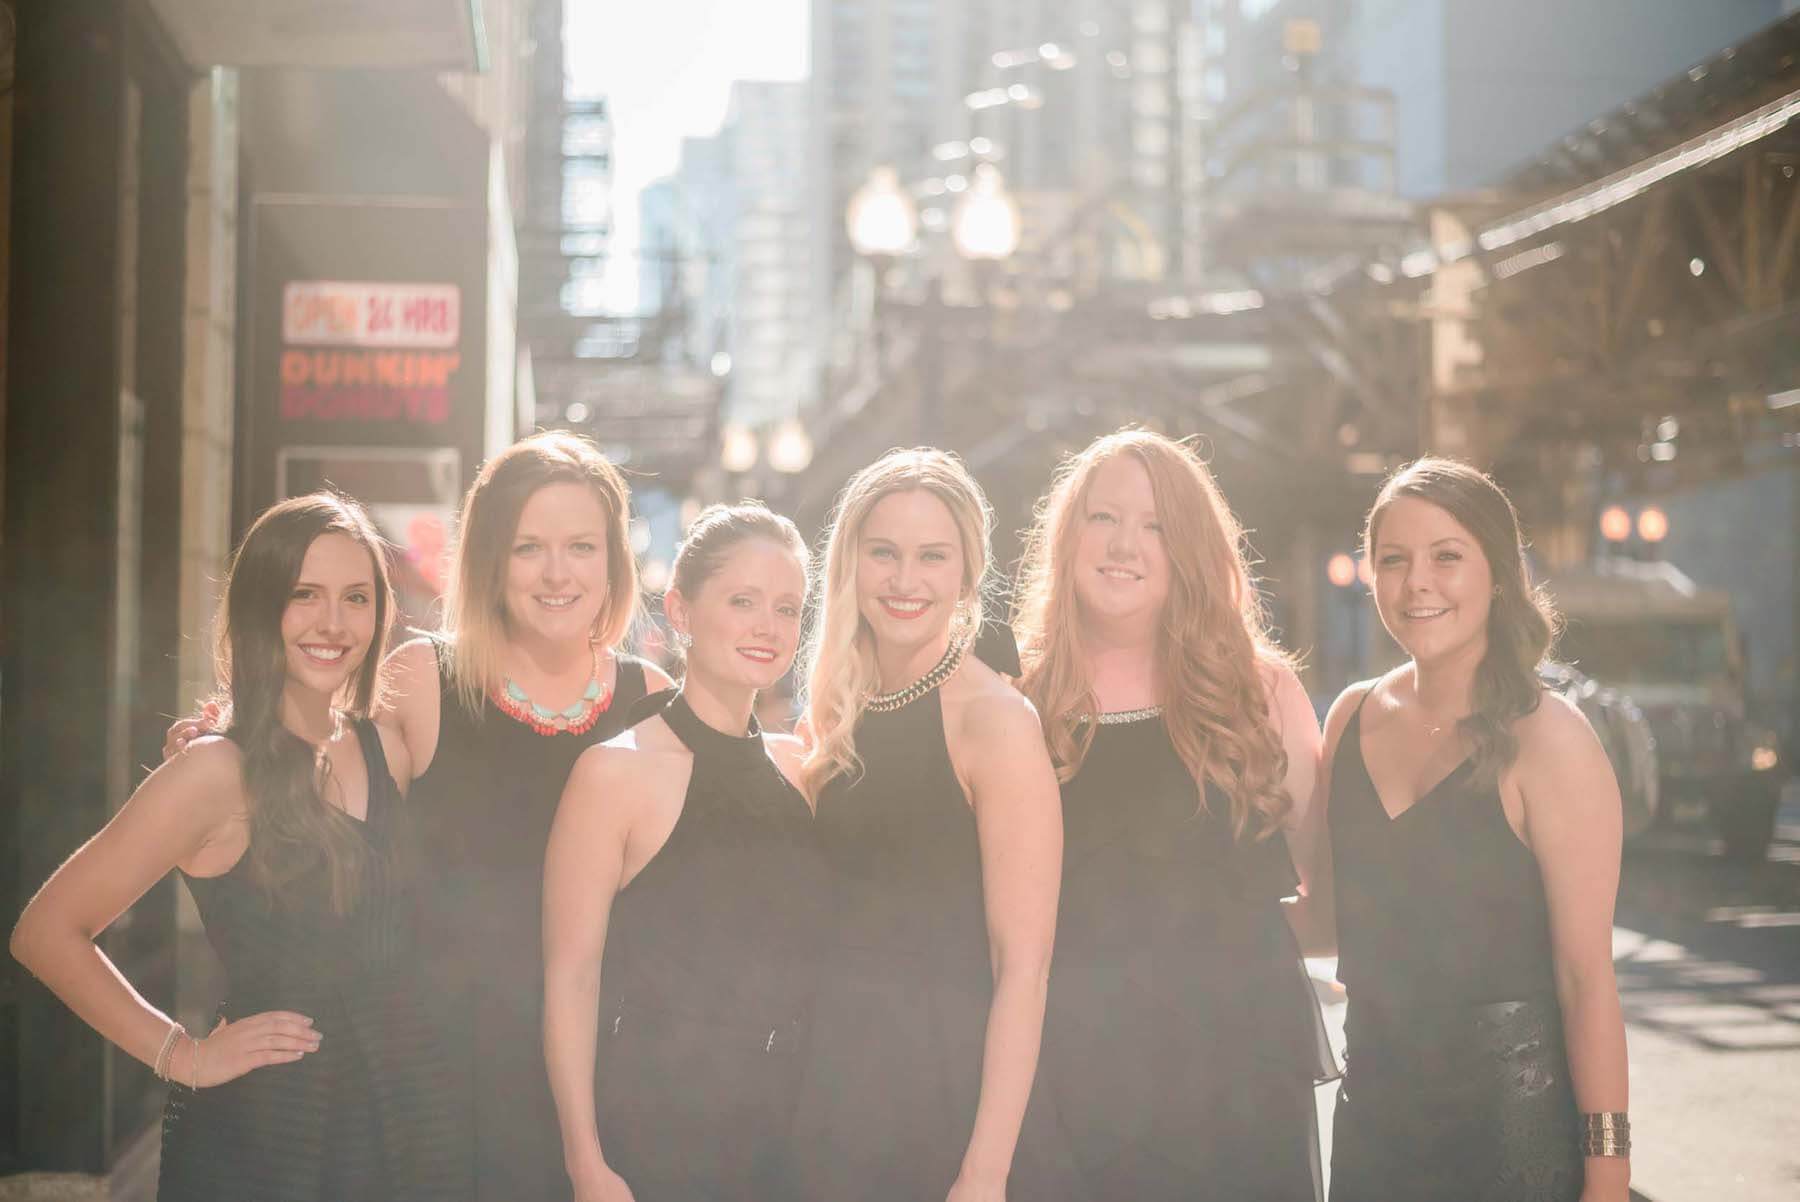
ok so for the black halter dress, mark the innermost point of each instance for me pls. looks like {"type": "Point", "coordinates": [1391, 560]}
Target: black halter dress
{"type": "Point", "coordinates": [893, 1066]}
{"type": "Point", "coordinates": [1182, 1039]}
{"type": "Point", "coordinates": [1457, 1085]}
{"type": "Point", "coordinates": [711, 955]}
{"type": "Point", "coordinates": [485, 804]}
{"type": "Point", "coordinates": [367, 1117]}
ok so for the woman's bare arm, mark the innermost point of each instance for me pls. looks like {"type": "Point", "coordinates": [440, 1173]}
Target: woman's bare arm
{"type": "Point", "coordinates": [1018, 817]}
{"type": "Point", "coordinates": [1574, 824]}
{"type": "Point", "coordinates": [186, 807]}
{"type": "Point", "coordinates": [584, 868]}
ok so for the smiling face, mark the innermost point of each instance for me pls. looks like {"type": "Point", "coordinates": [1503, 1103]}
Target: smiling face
{"type": "Point", "coordinates": [909, 571]}
{"type": "Point", "coordinates": [329, 622]}
{"type": "Point", "coordinates": [556, 572]}
{"type": "Point", "coordinates": [745, 617]}
{"type": "Point", "coordinates": [1433, 585]}
{"type": "Point", "coordinates": [1120, 564]}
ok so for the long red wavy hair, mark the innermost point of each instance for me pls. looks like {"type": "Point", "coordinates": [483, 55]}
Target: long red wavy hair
{"type": "Point", "coordinates": [1215, 646]}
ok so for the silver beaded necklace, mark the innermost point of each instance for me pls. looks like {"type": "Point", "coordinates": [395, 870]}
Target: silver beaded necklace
{"type": "Point", "coordinates": [1121, 717]}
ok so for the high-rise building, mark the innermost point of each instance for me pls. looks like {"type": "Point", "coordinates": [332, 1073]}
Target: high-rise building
{"type": "Point", "coordinates": [747, 251]}
{"type": "Point", "coordinates": [659, 234]}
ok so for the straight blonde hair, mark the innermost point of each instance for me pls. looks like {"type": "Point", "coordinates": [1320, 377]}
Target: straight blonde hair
{"type": "Point", "coordinates": [1213, 644]}
{"type": "Point", "coordinates": [842, 674]}
{"type": "Point", "coordinates": [475, 610]}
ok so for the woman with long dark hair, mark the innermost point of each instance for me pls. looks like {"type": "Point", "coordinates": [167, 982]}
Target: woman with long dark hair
{"type": "Point", "coordinates": [1181, 1043]}
{"type": "Point", "coordinates": [493, 711]}
{"type": "Point", "coordinates": [684, 898]}
{"type": "Point", "coordinates": [320, 1081]}
{"type": "Point", "coordinates": [1474, 832]}
{"type": "Point", "coordinates": [938, 820]}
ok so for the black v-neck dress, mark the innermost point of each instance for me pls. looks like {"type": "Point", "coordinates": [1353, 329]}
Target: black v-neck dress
{"type": "Point", "coordinates": [484, 805]}
{"type": "Point", "coordinates": [1457, 1083]}
{"type": "Point", "coordinates": [711, 955]}
{"type": "Point", "coordinates": [369, 1117]}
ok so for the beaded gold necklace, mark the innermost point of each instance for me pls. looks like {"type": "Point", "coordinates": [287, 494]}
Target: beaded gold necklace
{"type": "Point", "coordinates": [577, 719]}
{"type": "Point", "coordinates": [882, 703]}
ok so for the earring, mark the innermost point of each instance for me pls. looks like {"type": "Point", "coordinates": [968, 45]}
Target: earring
{"type": "Point", "coordinates": [683, 639]}
{"type": "Point", "coordinates": [1496, 590]}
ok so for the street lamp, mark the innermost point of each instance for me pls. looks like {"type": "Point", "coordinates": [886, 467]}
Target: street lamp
{"type": "Point", "coordinates": [882, 220]}
{"type": "Point", "coordinates": [790, 447]}
{"type": "Point", "coordinates": [985, 227]}
{"type": "Point", "coordinates": [737, 450]}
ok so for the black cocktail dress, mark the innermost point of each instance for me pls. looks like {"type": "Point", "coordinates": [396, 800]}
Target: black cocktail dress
{"type": "Point", "coordinates": [369, 1117]}
{"type": "Point", "coordinates": [711, 956]}
{"type": "Point", "coordinates": [484, 806]}
{"type": "Point", "coordinates": [1457, 1085]}
{"type": "Point", "coordinates": [1180, 1048]}
{"type": "Point", "coordinates": [893, 1064]}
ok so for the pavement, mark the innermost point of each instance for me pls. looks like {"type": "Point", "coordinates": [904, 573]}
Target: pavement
{"type": "Point", "coordinates": [1708, 960]}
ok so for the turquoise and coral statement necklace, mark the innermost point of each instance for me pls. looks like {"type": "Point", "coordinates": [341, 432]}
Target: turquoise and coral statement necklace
{"type": "Point", "coordinates": [577, 719]}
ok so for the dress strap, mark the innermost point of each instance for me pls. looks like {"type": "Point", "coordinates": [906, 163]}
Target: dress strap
{"type": "Point", "coordinates": [383, 789]}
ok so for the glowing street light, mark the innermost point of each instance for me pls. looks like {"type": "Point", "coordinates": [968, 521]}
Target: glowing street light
{"type": "Point", "coordinates": [986, 226]}
{"type": "Point", "coordinates": [1652, 524]}
{"type": "Point", "coordinates": [790, 447]}
{"type": "Point", "coordinates": [1340, 569]}
{"type": "Point", "coordinates": [1615, 524]}
{"type": "Point", "coordinates": [738, 451]}
{"type": "Point", "coordinates": [882, 220]}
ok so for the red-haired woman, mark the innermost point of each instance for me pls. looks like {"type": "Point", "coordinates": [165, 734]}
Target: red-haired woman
{"type": "Point", "coordinates": [1180, 1044]}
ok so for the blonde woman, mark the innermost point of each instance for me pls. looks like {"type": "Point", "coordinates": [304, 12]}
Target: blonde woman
{"type": "Point", "coordinates": [1179, 1051]}
{"type": "Point", "coordinates": [493, 713]}
{"type": "Point", "coordinates": [937, 817]}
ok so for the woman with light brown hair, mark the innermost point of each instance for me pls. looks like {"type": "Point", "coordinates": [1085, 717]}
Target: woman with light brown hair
{"type": "Point", "coordinates": [493, 712]}
{"type": "Point", "coordinates": [937, 819]}
{"type": "Point", "coordinates": [1181, 1043]}
{"type": "Point", "coordinates": [1475, 830]}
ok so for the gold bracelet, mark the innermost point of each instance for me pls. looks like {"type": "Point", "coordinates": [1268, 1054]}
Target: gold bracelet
{"type": "Point", "coordinates": [1607, 1133]}
{"type": "Point", "coordinates": [166, 1053]}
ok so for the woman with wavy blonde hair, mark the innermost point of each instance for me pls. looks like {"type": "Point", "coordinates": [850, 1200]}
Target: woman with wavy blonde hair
{"type": "Point", "coordinates": [937, 818]}
{"type": "Point", "coordinates": [1180, 1048]}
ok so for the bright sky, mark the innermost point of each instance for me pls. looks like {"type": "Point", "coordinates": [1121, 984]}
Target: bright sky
{"type": "Point", "coordinates": [667, 66]}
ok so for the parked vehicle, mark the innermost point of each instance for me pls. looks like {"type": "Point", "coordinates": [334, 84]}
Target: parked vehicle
{"type": "Point", "coordinates": [1625, 734]}
{"type": "Point", "coordinates": [1646, 630]}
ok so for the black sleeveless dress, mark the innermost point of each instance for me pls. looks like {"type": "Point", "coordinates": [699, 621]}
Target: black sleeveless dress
{"type": "Point", "coordinates": [485, 804]}
{"type": "Point", "coordinates": [1457, 1084]}
{"type": "Point", "coordinates": [893, 1066]}
{"type": "Point", "coordinates": [1180, 1048]}
{"type": "Point", "coordinates": [366, 1117]}
{"type": "Point", "coordinates": [711, 956]}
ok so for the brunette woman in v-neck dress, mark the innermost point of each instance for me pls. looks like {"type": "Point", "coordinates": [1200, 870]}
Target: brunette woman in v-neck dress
{"type": "Point", "coordinates": [493, 712]}
{"type": "Point", "coordinates": [1474, 832]}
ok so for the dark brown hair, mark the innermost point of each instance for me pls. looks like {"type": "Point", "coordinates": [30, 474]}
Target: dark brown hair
{"type": "Point", "coordinates": [1522, 622]}
{"type": "Point", "coordinates": [294, 831]}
